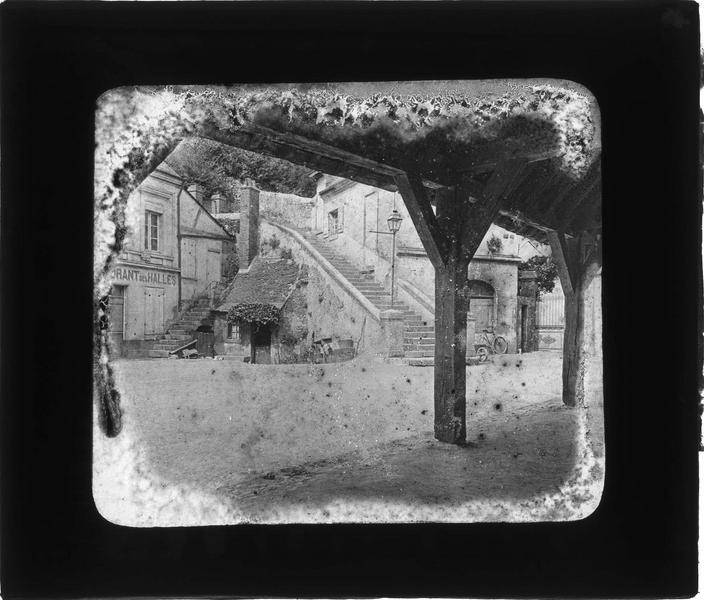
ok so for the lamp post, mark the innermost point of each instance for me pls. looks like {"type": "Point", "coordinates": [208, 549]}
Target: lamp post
{"type": "Point", "coordinates": [394, 223]}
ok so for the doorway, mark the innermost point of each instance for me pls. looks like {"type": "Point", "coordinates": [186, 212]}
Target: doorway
{"type": "Point", "coordinates": [261, 345]}
{"type": "Point", "coordinates": [523, 328]}
{"type": "Point", "coordinates": [153, 310]}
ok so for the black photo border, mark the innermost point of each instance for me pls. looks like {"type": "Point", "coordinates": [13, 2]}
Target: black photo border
{"type": "Point", "coordinates": [640, 60]}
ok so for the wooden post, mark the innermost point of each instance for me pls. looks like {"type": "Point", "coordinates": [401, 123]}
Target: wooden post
{"type": "Point", "coordinates": [450, 353]}
{"type": "Point", "coordinates": [451, 239]}
{"type": "Point", "coordinates": [578, 260]}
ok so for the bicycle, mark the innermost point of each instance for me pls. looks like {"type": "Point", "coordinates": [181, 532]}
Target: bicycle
{"type": "Point", "coordinates": [494, 345]}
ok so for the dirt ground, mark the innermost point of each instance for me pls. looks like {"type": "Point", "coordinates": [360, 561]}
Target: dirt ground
{"type": "Point", "coordinates": [352, 442]}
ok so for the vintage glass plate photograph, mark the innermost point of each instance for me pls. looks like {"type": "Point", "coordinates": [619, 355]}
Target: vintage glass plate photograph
{"type": "Point", "coordinates": [348, 303]}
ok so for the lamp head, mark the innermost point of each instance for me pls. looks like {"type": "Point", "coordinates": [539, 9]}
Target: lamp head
{"type": "Point", "coordinates": [394, 221]}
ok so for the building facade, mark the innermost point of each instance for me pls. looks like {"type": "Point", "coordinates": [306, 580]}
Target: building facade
{"type": "Point", "coordinates": [353, 218]}
{"type": "Point", "coordinates": [173, 252]}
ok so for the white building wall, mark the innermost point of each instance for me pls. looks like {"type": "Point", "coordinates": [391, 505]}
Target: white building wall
{"type": "Point", "coordinates": [150, 278]}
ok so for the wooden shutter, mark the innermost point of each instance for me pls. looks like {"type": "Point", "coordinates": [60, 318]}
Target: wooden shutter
{"type": "Point", "coordinates": [117, 308]}
{"type": "Point", "coordinates": [153, 310]}
{"type": "Point", "coordinates": [188, 259]}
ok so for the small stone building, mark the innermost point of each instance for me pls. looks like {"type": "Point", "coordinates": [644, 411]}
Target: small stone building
{"type": "Point", "coordinates": [270, 297]}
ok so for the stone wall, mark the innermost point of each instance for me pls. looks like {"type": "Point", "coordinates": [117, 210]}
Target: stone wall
{"type": "Point", "coordinates": [503, 277]}
{"type": "Point", "coordinates": [288, 209]}
{"type": "Point", "coordinates": [332, 312]}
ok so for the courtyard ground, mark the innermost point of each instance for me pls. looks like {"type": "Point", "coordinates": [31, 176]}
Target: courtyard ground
{"type": "Point", "coordinates": [347, 441]}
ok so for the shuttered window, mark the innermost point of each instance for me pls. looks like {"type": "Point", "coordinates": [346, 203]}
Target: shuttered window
{"type": "Point", "coordinates": [151, 230]}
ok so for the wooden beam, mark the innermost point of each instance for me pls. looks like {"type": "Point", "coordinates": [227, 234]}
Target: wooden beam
{"type": "Point", "coordinates": [588, 218]}
{"type": "Point", "coordinates": [483, 211]}
{"type": "Point", "coordinates": [491, 158]}
{"type": "Point", "coordinates": [563, 255]}
{"type": "Point", "coordinates": [334, 161]}
{"type": "Point", "coordinates": [578, 260]}
{"type": "Point", "coordinates": [577, 196]}
{"type": "Point", "coordinates": [415, 197]}
{"type": "Point", "coordinates": [535, 187]}
{"type": "Point", "coordinates": [321, 148]}
{"type": "Point", "coordinates": [333, 165]}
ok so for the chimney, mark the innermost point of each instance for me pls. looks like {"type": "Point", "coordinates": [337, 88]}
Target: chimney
{"type": "Point", "coordinates": [196, 190]}
{"type": "Point", "coordinates": [218, 201]}
{"type": "Point", "coordinates": [248, 239]}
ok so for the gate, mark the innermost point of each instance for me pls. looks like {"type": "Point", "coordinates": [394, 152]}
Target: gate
{"type": "Point", "coordinates": [550, 320]}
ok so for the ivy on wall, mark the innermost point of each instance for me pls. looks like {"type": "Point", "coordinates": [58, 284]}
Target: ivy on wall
{"type": "Point", "coordinates": [258, 314]}
{"type": "Point", "coordinates": [546, 272]}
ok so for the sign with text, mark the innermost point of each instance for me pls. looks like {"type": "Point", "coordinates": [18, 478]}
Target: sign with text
{"type": "Point", "coordinates": [143, 276]}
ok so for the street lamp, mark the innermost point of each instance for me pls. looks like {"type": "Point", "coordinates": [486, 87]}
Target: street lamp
{"type": "Point", "coordinates": [394, 223]}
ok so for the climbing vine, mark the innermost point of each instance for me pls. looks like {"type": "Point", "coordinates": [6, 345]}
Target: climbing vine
{"type": "Point", "coordinates": [494, 244]}
{"type": "Point", "coordinates": [259, 314]}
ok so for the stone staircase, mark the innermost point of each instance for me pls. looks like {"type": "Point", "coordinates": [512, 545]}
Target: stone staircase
{"type": "Point", "coordinates": [180, 332]}
{"type": "Point", "coordinates": [419, 337]}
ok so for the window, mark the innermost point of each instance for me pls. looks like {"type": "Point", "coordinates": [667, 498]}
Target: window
{"type": "Point", "coordinates": [151, 230]}
{"type": "Point", "coordinates": [332, 222]}
{"type": "Point", "coordinates": [233, 331]}
{"type": "Point", "coordinates": [335, 221]}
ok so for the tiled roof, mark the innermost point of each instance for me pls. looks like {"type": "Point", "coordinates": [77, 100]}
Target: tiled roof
{"type": "Point", "coordinates": [266, 282]}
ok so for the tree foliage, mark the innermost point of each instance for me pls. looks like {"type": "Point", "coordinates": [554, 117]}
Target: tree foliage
{"type": "Point", "coordinates": [545, 269]}
{"type": "Point", "coordinates": [220, 168]}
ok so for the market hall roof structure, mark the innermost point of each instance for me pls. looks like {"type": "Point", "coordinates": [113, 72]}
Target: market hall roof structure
{"type": "Point", "coordinates": [526, 157]}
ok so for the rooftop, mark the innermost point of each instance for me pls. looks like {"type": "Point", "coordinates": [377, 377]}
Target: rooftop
{"type": "Point", "coordinates": [266, 282]}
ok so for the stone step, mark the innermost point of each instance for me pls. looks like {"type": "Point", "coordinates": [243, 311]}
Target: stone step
{"type": "Point", "coordinates": [158, 354]}
{"type": "Point", "coordinates": [419, 340]}
{"type": "Point", "coordinates": [174, 331]}
{"type": "Point", "coordinates": [419, 348]}
{"type": "Point", "coordinates": [177, 337]}
{"type": "Point", "coordinates": [420, 353]}
{"type": "Point", "coordinates": [387, 306]}
{"type": "Point", "coordinates": [167, 347]}
{"type": "Point", "coordinates": [419, 362]}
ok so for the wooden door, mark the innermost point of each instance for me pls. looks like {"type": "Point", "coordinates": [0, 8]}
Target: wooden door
{"type": "Point", "coordinates": [117, 310]}
{"type": "Point", "coordinates": [482, 310]}
{"type": "Point", "coordinates": [213, 266]}
{"type": "Point", "coordinates": [153, 310]}
{"type": "Point", "coordinates": [261, 342]}
{"type": "Point", "coordinates": [188, 259]}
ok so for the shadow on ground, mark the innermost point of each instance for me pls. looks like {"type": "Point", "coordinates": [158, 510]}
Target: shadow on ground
{"type": "Point", "coordinates": [267, 440]}
{"type": "Point", "coordinates": [526, 455]}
